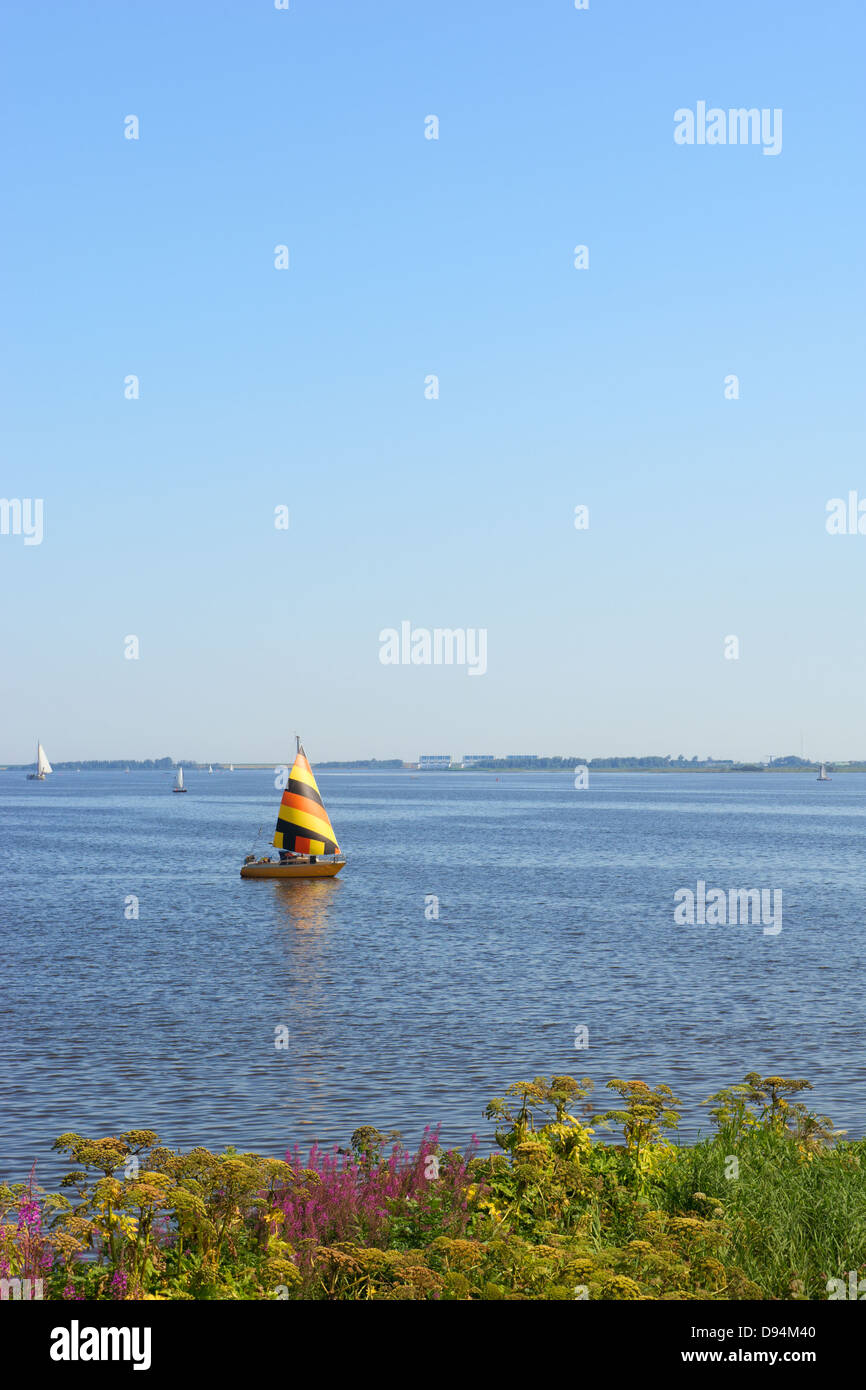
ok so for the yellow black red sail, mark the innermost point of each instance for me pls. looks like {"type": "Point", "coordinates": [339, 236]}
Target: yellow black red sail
{"type": "Point", "coordinates": [302, 821]}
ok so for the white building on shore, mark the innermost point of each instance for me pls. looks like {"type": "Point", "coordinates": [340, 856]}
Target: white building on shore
{"type": "Point", "coordinates": [434, 762]}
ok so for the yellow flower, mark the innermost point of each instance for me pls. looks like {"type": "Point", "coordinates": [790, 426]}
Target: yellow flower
{"type": "Point", "coordinates": [492, 1209]}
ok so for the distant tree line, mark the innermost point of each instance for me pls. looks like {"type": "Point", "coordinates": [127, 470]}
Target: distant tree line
{"type": "Point", "coordinates": [648, 763]}
{"type": "Point", "coordinates": [168, 764]}
{"type": "Point", "coordinates": [365, 763]}
{"type": "Point", "coordinates": [105, 765]}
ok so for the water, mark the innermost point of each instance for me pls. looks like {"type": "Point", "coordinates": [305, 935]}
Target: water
{"type": "Point", "coordinates": [555, 911]}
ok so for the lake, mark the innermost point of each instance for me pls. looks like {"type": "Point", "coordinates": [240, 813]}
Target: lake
{"type": "Point", "coordinates": [555, 913]}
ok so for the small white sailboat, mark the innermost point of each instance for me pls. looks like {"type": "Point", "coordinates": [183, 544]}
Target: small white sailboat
{"type": "Point", "coordinates": [209, 768]}
{"type": "Point", "coordinates": [822, 775]}
{"type": "Point", "coordinates": [179, 787]}
{"type": "Point", "coordinates": [43, 766]}
{"type": "Point", "coordinates": [231, 767]}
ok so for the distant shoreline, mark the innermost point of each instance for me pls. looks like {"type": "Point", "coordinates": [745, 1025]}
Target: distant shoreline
{"type": "Point", "coordinates": [564, 765]}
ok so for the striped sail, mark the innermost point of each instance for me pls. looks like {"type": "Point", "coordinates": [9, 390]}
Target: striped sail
{"type": "Point", "coordinates": [302, 821]}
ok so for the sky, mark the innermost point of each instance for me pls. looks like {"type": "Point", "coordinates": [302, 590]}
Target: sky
{"type": "Point", "coordinates": [309, 387]}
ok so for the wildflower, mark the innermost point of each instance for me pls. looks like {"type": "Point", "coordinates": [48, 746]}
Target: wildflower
{"type": "Point", "coordinates": [492, 1210]}
{"type": "Point", "coordinates": [29, 1217]}
{"type": "Point", "coordinates": [619, 1286]}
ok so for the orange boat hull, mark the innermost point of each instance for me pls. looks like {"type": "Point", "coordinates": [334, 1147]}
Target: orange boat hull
{"type": "Point", "coordinates": [324, 870]}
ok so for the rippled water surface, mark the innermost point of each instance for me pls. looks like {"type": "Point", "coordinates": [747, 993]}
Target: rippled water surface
{"type": "Point", "coordinates": [555, 911]}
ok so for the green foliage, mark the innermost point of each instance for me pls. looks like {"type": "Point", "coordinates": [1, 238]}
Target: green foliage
{"type": "Point", "coordinates": [764, 1101]}
{"type": "Point", "coordinates": [770, 1206]}
{"type": "Point", "coordinates": [173, 1225]}
{"type": "Point", "coordinates": [537, 1098]}
{"type": "Point", "coordinates": [643, 1117]}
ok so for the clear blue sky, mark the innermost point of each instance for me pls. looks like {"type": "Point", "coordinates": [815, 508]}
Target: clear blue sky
{"type": "Point", "coordinates": [412, 256]}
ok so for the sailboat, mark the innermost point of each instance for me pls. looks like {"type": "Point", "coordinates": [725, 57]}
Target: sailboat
{"type": "Point", "coordinates": [231, 767]}
{"type": "Point", "coordinates": [303, 835]}
{"type": "Point", "coordinates": [209, 768]}
{"type": "Point", "coordinates": [43, 766]}
{"type": "Point", "coordinates": [179, 787]}
{"type": "Point", "coordinates": [822, 775]}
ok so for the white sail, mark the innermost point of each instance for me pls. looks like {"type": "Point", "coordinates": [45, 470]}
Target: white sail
{"type": "Point", "coordinates": [210, 769]}
{"type": "Point", "coordinates": [231, 767]}
{"type": "Point", "coordinates": [42, 763]}
{"type": "Point", "coordinates": [180, 777]}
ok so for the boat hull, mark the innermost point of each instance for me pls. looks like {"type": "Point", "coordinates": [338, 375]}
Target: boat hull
{"type": "Point", "coordinates": [326, 870]}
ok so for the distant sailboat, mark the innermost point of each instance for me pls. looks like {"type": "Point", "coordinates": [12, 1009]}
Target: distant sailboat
{"type": "Point", "coordinates": [43, 766]}
{"type": "Point", "coordinates": [303, 835]}
{"type": "Point", "coordinates": [231, 767]}
{"type": "Point", "coordinates": [179, 787]}
{"type": "Point", "coordinates": [209, 768]}
{"type": "Point", "coordinates": [822, 775]}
